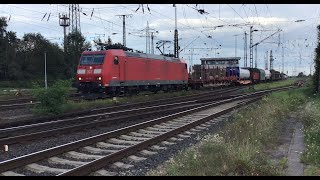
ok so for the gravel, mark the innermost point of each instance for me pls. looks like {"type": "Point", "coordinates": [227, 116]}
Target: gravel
{"type": "Point", "coordinates": [15, 115]}
{"type": "Point", "coordinates": [140, 168]}
{"type": "Point", "coordinates": [153, 161]}
{"type": "Point", "coordinates": [17, 150]}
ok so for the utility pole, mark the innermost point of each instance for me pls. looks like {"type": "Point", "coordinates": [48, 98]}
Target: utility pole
{"type": "Point", "coordinates": [149, 34]}
{"type": "Point", "coordinates": [245, 58]}
{"type": "Point", "coordinates": [176, 43]}
{"type": "Point", "coordinates": [74, 13]}
{"type": "Point", "coordinates": [147, 39]}
{"type": "Point", "coordinates": [191, 63]}
{"type": "Point", "coordinates": [271, 60]}
{"type": "Point", "coordinates": [64, 21]}
{"type": "Point", "coordinates": [256, 44]}
{"type": "Point", "coordinates": [256, 61]}
{"type": "Point", "coordinates": [45, 70]}
{"type": "Point", "coordinates": [300, 57]}
{"type": "Point", "coordinates": [191, 55]}
{"type": "Point", "coordinates": [266, 61]}
{"type": "Point", "coordinates": [124, 26]}
{"type": "Point", "coordinates": [251, 53]}
{"type": "Point", "coordinates": [282, 59]}
{"type": "Point", "coordinates": [152, 44]}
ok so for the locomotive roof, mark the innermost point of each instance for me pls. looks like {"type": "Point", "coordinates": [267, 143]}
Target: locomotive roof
{"type": "Point", "coordinates": [221, 59]}
{"type": "Point", "coordinates": [139, 55]}
{"type": "Point", "coordinates": [150, 56]}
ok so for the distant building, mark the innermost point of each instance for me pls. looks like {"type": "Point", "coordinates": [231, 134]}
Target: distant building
{"type": "Point", "coordinates": [221, 62]}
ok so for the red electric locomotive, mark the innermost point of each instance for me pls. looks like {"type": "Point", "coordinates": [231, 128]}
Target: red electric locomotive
{"type": "Point", "coordinates": [118, 71]}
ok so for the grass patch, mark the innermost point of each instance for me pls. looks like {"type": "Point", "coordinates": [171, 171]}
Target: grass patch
{"type": "Point", "coordinates": [312, 171]}
{"type": "Point", "coordinates": [310, 116]}
{"type": "Point", "coordinates": [84, 105]}
{"type": "Point", "coordinates": [269, 85]}
{"type": "Point", "coordinates": [51, 99]}
{"type": "Point", "coordinates": [11, 93]}
{"type": "Point", "coordinates": [238, 149]}
{"type": "Point", "coordinates": [275, 84]}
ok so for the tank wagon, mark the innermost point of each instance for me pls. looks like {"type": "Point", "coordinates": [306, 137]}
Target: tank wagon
{"type": "Point", "coordinates": [275, 75]}
{"type": "Point", "coordinates": [244, 76]}
{"type": "Point", "coordinates": [268, 75]}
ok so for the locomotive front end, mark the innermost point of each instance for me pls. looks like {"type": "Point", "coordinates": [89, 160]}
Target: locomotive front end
{"type": "Point", "coordinates": [90, 73]}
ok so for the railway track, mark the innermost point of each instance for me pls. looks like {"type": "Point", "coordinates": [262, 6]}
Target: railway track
{"type": "Point", "coordinates": [136, 142]}
{"type": "Point", "coordinates": [25, 102]}
{"type": "Point", "coordinates": [16, 103]}
{"type": "Point", "coordinates": [24, 133]}
{"type": "Point", "coordinates": [217, 93]}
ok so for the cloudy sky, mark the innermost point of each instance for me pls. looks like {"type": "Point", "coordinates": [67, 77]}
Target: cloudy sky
{"type": "Point", "coordinates": [212, 30]}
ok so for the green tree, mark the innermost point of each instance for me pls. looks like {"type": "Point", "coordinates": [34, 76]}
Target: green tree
{"type": "Point", "coordinates": [301, 74]}
{"type": "Point", "coordinates": [3, 26]}
{"type": "Point", "coordinates": [14, 68]}
{"type": "Point", "coordinates": [3, 48]}
{"type": "Point", "coordinates": [317, 64]}
{"type": "Point", "coordinates": [24, 59]}
{"type": "Point", "coordinates": [75, 45]}
{"type": "Point", "coordinates": [31, 57]}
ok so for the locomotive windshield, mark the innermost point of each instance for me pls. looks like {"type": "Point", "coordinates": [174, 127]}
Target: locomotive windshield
{"type": "Point", "coordinates": [92, 59]}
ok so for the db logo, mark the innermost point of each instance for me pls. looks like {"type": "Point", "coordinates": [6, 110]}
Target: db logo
{"type": "Point", "coordinates": [89, 71]}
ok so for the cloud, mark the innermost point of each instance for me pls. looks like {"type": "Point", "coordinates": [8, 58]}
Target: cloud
{"type": "Point", "coordinates": [26, 18]}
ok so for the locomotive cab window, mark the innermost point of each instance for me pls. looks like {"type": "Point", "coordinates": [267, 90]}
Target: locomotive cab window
{"type": "Point", "coordinates": [116, 60]}
{"type": "Point", "coordinates": [96, 59]}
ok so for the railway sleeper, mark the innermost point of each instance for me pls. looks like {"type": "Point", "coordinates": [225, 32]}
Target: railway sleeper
{"type": "Point", "coordinates": [171, 125]}
{"type": "Point", "coordinates": [156, 147]}
{"type": "Point", "coordinates": [110, 145]}
{"type": "Point", "coordinates": [157, 129]}
{"type": "Point", "coordinates": [133, 138]}
{"type": "Point", "coordinates": [150, 132]}
{"type": "Point", "coordinates": [121, 165]}
{"type": "Point", "coordinates": [189, 133]}
{"type": "Point", "coordinates": [56, 160]}
{"type": "Point", "coordinates": [104, 173]}
{"type": "Point", "coordinates": [94, 150]}
{"type": "Point", "coordinates": [42, 169]}
{"type": "Point", "coordinates": [142, 135]}
{"type": "Point", "coordinates": [175, 139]}
{"type": "Point", "coordinates": [77, 155]}
{"type": "Point", "coordinates": [147, 153]}
{"type": "Point", "coordinates": [134, 158]}
{"type": "Point", "coordinates": [11, 173]}
{"type": "Point", "coordinates": [167, 143]}
{"type": "Point", "coordinates": [167, 127]}
{"type": "Point", "coordinates": [120, 141]}
{"type": "Point", "coordinates": [183, 136]}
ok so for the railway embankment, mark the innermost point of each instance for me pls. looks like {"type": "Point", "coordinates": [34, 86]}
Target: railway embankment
{"type": "Point", "coordinates": [278, 135]}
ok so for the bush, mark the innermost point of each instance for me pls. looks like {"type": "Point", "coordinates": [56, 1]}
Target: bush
{"type": "Point", "coordinates": [51, 99]}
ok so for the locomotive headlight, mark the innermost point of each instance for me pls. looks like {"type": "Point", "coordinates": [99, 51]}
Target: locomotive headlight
{"type": "Point", "coordinates": [99, 78]}
{"type": "Point", "coordinates": [81, 71]}
{"type": "Point", "coordinates": [80, 78]}
{"type": "Point", "coordinates": [97, 71]}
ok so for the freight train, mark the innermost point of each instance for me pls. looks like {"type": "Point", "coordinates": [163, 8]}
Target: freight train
{"type": "Point", "coordinates": [116, 71]}
{"type": "Point", "coordinates": [226, 72]}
